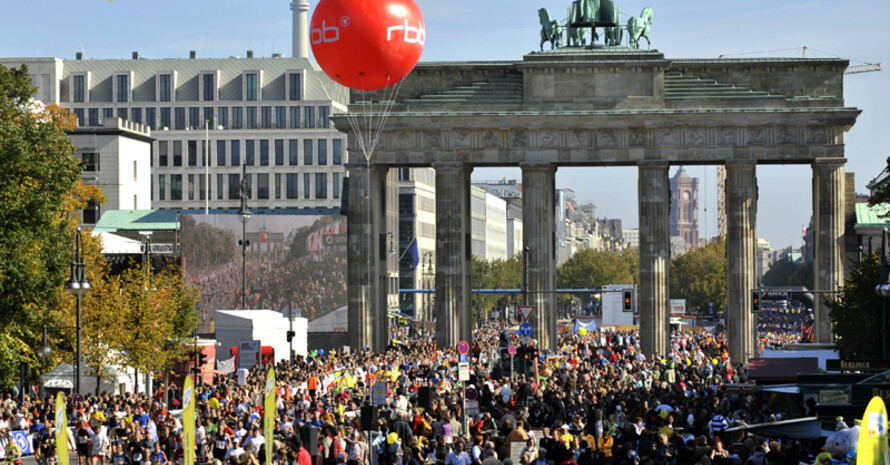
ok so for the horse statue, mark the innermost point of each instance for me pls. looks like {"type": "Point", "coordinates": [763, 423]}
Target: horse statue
{"type": "Point", "coordinates": [550, 29]}
{"type": "Point", "coordinates": [614, 34]}
{"type": "Point", "coordinates": [575, 36]}
{"type": "Point", "coordinates": [638, 27]}
{"type": "Point", "coordinates": [592, 14]}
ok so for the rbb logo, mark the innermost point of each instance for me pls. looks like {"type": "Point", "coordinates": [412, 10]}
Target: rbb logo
{"type": "Point", "coordinates": [327, 34]}
{"type": "Point", "coordinates": [412, 35]}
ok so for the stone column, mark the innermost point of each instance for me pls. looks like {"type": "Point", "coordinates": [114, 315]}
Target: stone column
{"type": "Point", "coordinates": [655, 256]}
{"type": "Point", "coordinates": [538, 239]}
{"type": "Point", "coordinates": [741, 242]}
{"type": "Point", "coordinates": [453, 305]}
{"type": "Point", "coordinates": [828, 216]}
{"type": "Point", "coordinates": [366, 258]}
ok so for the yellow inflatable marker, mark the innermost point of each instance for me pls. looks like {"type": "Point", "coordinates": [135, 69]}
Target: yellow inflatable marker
{"type": "Point", "coordinates": [269, 414]}
{"type": "Point", "coordinates": [188, 421]}
{"type": "Point", "coordinates": [61, 430]}
{"type": "Point", "coordinates": [873, 435]}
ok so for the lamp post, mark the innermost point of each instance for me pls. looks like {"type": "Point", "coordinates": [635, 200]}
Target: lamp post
{"type": "Point", "coordinates": [77, 286]}
{"type": "Point", "coordinates": [207, 167]}
{"type": "Point", "coordinates": [883, 290]}
{"type": "Point", "coordinates": [245, 217]}
{"type": "Point", "coordinates": [427, 284]}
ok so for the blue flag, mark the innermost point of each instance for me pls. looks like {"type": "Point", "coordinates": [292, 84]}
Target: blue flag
{"type": "Point", "coordinates": [412, 252]}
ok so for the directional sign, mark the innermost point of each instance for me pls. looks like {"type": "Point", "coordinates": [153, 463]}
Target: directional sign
{"type": "Point", "coordinates": [463, 347]}
{"type": "Point", "coordinates": [525, 329]}
{"type": "Point", "coordinates": [511, 350]}
{"type": "Point", "coordinates": [526, 311]}
{"type": "Point", "coordinates": [471, 393]}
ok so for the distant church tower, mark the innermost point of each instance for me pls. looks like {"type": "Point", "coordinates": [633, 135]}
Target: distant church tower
{"type": "Point", "coordinates": [300, 28]}
{"type": "Point", "coordinates": [684, 208]}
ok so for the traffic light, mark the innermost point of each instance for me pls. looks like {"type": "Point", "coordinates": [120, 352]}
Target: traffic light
{"type": "Point", "coordinates": [755, 301]}
{"type": "Point", "coordinates": [628, 300]}
{"type": "Point", "coordinates": [290, 335]}
{"type": "Point", "coordinates": [202, 359]}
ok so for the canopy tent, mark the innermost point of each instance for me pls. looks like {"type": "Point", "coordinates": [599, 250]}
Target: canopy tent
{"type": "Point", "coordinates": [62, 377]}
{"type": "Point", "coordinates": [331, 322]}
{"type": "Point", "coordinates": [118, 245]}
{"type": "Point", "coordinates": [798, 428]}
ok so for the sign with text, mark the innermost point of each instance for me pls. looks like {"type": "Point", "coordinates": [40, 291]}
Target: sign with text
{"type": "Point", "coordinates": [857, 365]}
{"type": "Point", "coordinates": [463, 371]}
{"type": "Point", "coordinates": [248, 354]}
{"type": "Point", "coordinates": [378, 393]}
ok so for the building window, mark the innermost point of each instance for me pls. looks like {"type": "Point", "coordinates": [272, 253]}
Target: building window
{"type": "Point", "coordinates": [262, 186]}
{"type": "Point", "coordinates": [277, 185]}
{"type": "Point", "coordinates": [234, 186]}
{"type": "Point", "coordinates": [79, 93]}
{"type": "Point", "coordinates": [137, 115]}
{"type": "Point", "coordinates": [208, 117]}
{"type": "Point", "coordinates": [308, 117]}
{"type": "Point", "coordinates": [151, 118]}
{"type": "Point", "coordinates": [91, 213]}
{"type": "Point", "coordinates": [193, 152]}
{"type": "Point", "coordinates": [222, 117]}
{"type": "Point", "coordinates": [251, 92]}
{"type": "Point", "coordinates": [209, 88]}
{"type": "Point", "coordinates": [294, 117]}
{"type": "Point", "coordinates": [94, 116]}
{"type": "Point", "coordinates": [191, 186]}
{"type": "Point", "coordinates": [202, 189]}
{"type": "Point", "coordinates": [336, 185]}
{"type": "Point", "coordinates": [162, 188]}
{"type": "Point", "coordinates": [122, 113]}
{"type": "Point", "coordinates": [164, 87]}
{"type": "Point", "coordinates": [264, 152]}
{"type": "Point", "coordinates": [90, 162]}
{"type": "Point", "coordinates": [179, 118]}
{"type": "Point", "coordinates": [280, 118]}
{"type": "Point", "coordinates": [220, 153]}
{"type": "Point", "coordinates": [122, 87]}
{"type": "Point", "coordinates": [195, 118]}
{"type": "Point", "coordinates": [175, 187]}
{"type": "Point", "coordinates": [338, 151]}
{"type": "Point", "coordinates": [321, 185]}
{"type": "Point", "coordinates": [237, 117]}
{"type": "Point", "coordinates": [78, 113]}
{"type": "Point", "coordinates": [236, 153]}
{"type": "Point", "coordinates": [292, 152]}
{"type": "Point", "coordinates": [267, 117]}
{"type": "Point", "coordinates": [306, 191]}
{"type": "Point", "coordinates": [165, 118]}
{"type": "Point", "coordinates": [293, 187]}
{"type": "Point", "coordinates": [307, 152]}
{"type": "Point", "coordinates": [219, 186]}
{"type": "Point", "coordinates": [294, 86]}
{"type": "Point", "coordinates": [323, 113]}
{"type": "Point", "coordinates": [322, 151]}
{"type": "Point", "coordinates": [248, 152]}
{"type": "Point", "coordinates": [162, 153]}
{"type": "Point", "coordinates": [279, 152]}
{"type": "Point", "coordinates": [251, 118]}
{"type": "Point", "coordinates": [135, 173]}
{"type": "Point", "coordinates": [107, 113]}
{"type": "Point", "coordinates": [177, 153]}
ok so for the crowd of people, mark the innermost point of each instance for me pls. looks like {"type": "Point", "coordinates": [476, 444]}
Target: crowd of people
{"type": "Point", "coordinates": [596, 400]}
{"type": "Point", "coordinates": [780, 326]}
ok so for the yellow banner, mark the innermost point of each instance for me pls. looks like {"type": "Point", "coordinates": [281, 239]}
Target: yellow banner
{"type": "Point", "coordinates": [188, 421]}
{"type": "Point", "coordinates": [873, 434]}
{"type": "Point", "coordinates": [269, 414]}
{"type": "Point", "coordinates": [61, 430]}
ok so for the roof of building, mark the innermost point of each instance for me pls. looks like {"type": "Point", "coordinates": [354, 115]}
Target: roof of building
{"type": "Point", "coordinates": [168, 220]}
{"type": "Point", "coordinates": [868, 216]}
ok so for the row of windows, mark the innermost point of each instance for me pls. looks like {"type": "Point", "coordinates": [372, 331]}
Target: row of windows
{"type": "Point", "coordinates": [180, 118]}
{"type": "Point", "coordinates": [286, 185]}
{"type": "Point", "coordinates": [228, 152]}
{"type": "Point", "coordinates": [165, 88]}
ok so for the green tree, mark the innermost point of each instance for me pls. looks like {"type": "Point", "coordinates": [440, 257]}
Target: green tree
{"type": "Point", "coordinates": [699, 277]}
{"type": "Point", "coordinates": [205, 245]}
{"type": "Point", "coordinates": [856, 312]}
{"type": "Point", "coordinates": [788, 273]}
{"type": "Point", "coordinates": [881, 197]}
{"type": "Point", "coordinates": [591, 269]}
{"type": "Point", "coordinates": [496, 274]}
{"type": "Point", "coordinates": [36, 190]}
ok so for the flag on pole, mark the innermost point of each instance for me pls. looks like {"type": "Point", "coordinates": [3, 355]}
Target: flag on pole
{"type": "Point", "coordinates": [412, 252]}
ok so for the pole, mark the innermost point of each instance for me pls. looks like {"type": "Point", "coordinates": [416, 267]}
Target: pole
{"type": "Point", "coordinates": [883, 296]}
{"type": "Point", "coordinates": [290, 317]}
{"type": "Point", "coordinates": [243, 265]}
{"type": "Point", "coordinates": [79, 268]}
{"type": "Point", "coordinates": [463, 409]}
{"type": "Point", "coordinates": [525, 276]}
{"type": "Point", "coordinates": [207, 167]}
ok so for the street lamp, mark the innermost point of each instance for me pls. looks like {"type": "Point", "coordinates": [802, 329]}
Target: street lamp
{"type": "Point", "coordinates": [883, 289]}
{"type": "Point", "coordinates": [77, 286]}
{"type": "Point", "coordinates": [427, 284]}
{"type": "Point", "coordinates": [245, 217]}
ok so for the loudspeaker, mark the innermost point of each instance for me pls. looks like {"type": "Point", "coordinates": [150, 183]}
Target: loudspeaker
{"type": "Point", "coordinates": [309, 436]}
{"type": "Point", "coordinates": [425, 397]}
{"type": "Point", "coordinates": [369, 418]}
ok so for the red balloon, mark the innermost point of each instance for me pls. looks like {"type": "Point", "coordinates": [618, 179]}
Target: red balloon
{"type": "Point", "coordinates": [367, 44]}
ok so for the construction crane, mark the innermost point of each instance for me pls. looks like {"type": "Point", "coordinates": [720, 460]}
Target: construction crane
{"type": "Point", "coordinates": [865, 67]}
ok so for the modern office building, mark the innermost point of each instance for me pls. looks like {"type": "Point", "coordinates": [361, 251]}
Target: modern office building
{"type": "Point", "coordinates": [417, 222]}
{"type": "Point", "coordinates": [684, 209]}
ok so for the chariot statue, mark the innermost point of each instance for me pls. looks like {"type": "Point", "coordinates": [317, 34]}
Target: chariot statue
{"type": "Point", "coordinates": [584, 14]}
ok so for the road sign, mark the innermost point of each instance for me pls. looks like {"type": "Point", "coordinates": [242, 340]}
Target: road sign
{"type": "Point", "coordinates": [511, 350]}
{"type": "Point", "coordinates": [525, 329]}
{"type": "Point", "coordinates": [526, 311]}
{"type": "Point", "coordinates": [526, 340]}
{"type": "Point", "coordinates": [472, 408]}
{"type": "Point", "coordinates": [378, 393]}
{"type": "Point", "coordinates": [464, 358]}
{"type": "Point", "coordinates": [471, 394]}
{"type": "Point", "coordinates": [463, 347]}
{"type": "Point", "coordinates": [463, 371]}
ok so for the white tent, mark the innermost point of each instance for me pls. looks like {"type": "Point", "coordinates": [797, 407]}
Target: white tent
{"type": "Point", "coordinates": [62, 377]}
{"type": "Point", "coordinates": [114, 244]}
{"type": "Point", "coordinates": [332, 322]}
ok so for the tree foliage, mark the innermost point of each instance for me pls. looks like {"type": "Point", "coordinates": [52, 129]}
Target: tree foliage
{"type": "Point", "coordinates": [699, 277]}
{"type": "Point", "coordinates": [788, 273]}
{"type": "Point", "coordinates": [856, 312]}
{"type": "Point", "coordinates": [591, 269]}
{"type": "Point", "coordinates": [205, 245]}
{"type": "Point", "coordinates": [496, 274]}
{"type": "Point", "coordinates": [881, 196]}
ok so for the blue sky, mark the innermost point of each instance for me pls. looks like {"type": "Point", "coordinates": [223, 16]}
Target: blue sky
{"type": "Point", "coordinates": [506, 30]}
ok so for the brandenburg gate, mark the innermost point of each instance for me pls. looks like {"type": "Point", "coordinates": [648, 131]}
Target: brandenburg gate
{"type": "Point", "coordinates": [612, 106]}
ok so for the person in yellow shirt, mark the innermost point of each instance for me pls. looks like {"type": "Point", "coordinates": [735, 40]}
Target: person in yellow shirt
{"type": "Point", "coordinates": [566, 437]}
{"type": "Point", "coordinates": [604, 444]}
